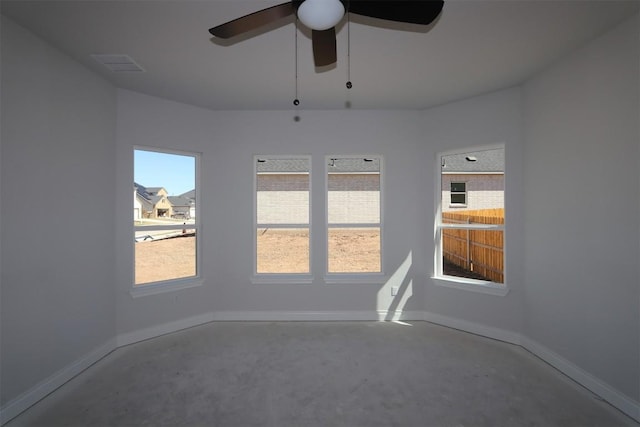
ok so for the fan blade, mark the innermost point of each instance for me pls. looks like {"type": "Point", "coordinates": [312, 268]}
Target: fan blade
{"type": "Point", "coordinates": [252, 21]}
{"type": "Point", "coordinates": [412, 12]}
{"type": "Point", "coordinates": [324, 47]}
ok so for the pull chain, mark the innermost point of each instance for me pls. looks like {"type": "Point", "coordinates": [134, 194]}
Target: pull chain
{"type": "Point", "coordinates": [349, 85]}
{"type": "Point", "coordinates": [296, 101]}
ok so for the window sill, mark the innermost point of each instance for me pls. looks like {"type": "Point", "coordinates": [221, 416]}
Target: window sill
{"type": "Point", "coordinates": [356, 278]}
{"type": "Point", "coordinates": [162, 287]}
{"type": "Point", "coordinates": [489, 288]}
{"type": "Point", "coordinates": [457, 206]}
{"type": "Point", "coordinates": [275, 279]}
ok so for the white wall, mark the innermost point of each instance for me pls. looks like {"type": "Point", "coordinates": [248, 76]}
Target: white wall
{"type": "Point", "coordinates": [582, 208]}
{"type": "Point", "coordinates": [58, 157]}
{"type": "Point", "coordinates": [228, 141]}
{"type": "Point", "coordinates": [409, 142]}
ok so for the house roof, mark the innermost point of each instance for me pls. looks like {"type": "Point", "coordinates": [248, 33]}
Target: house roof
{"type": "Point", "coordinates": [148, 193]}
{"type": "Point", "coordinates": [189, 195]}
{"type": "Point", "coordinates": [487, 161]}
{"type": "Point", "coordinates": [142, 191]}
{"type": "Point", "coordinates": [180, 201]}
{"type": "Point", "coordinates": [353, 164]}
{"type": "Point", "coordinates": [154, 190]}
{"type": "Point", "coordinates": [155, 199]}
{"type": "Point", "coordinates": [335, 165]}
{"type": "Point", "coordinates": [287, 165]}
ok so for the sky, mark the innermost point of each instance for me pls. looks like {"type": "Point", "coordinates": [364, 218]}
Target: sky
{"type": "Point", "coordinates": [174, 172]}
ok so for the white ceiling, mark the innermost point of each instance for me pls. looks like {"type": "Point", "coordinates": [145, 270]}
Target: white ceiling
{"type": "Point", "coordinates": [475, 47]}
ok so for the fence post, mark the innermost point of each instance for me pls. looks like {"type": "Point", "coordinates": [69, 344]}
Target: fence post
{"type": "Point", "coordinates": [469, 261]}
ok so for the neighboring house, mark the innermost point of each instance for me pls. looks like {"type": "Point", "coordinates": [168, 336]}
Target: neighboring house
{"type": "Point", "coordinates": [137, 205]}
{"type": "Point", "coordinates": [183, 207]}
{"type": "Point", "coordinates": [473, 180]}
{"type": "Point", "coordinates": [154, 202]}
{"type": "Point", "coordinates": [142, 205]}
{"type": "Point", "coordinates": [191, 197]}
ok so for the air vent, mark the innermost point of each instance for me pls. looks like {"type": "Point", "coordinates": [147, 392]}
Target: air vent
{"type": "Point", "coordinates": [118, 63]}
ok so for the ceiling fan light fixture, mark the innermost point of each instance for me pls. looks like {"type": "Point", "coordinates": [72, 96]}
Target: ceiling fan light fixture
{"type": "Point", "coordinates": [320, 15]}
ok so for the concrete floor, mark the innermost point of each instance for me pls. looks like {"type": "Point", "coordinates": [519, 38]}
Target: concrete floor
{"type": "Point", "coordinates": [321, 374]}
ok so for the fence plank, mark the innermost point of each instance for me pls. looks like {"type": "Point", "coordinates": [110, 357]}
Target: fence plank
{"type": "Point", "coordinates": [478, 251]}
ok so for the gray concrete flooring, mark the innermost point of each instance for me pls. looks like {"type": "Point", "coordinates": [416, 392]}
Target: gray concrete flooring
{"type": "Point", "coordinates": [321, 374]}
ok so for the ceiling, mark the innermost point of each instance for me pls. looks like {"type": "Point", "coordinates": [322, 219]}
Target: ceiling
{"type": "Point", "coordinates": [476, 46]}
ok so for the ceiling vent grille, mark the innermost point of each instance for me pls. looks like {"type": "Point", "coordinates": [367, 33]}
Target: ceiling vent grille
{"type": "Point", "coordinates": [118, 63]}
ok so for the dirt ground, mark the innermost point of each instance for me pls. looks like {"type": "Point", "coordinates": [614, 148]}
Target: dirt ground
{"type": "Point", "coordinates": [165, 259]}
{"type": "Point", "coordinates": [287, 251]}
{"type": "Point", "coordinates": [279, 251]}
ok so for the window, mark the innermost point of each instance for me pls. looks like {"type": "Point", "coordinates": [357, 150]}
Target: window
{"type": "Point", "coordinates": [165, 216]}
{"type": "Point", "coordinates": [282, 188]}
{"type": "Point", "coordinates": [470, 218]}
{"type": "Point", "coordinates": [354, 225]}
{"type": "Point", "coordinates": [458, 193]}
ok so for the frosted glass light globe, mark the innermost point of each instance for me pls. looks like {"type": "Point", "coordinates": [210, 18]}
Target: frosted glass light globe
{"type": "Point", "coordinates": [320, 14]}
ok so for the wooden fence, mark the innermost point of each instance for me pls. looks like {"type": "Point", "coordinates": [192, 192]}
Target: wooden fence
{"type": "Point", "coordinates": [477, 251]}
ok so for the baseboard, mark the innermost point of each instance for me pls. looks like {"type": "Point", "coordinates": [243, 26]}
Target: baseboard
{"type": "Point", "coordinates": [315, 316]}
{"type": "Point", "coordinates": [579, 375]}
{"type": "Point", "coordinates": [399, 315]}
{"type": "Point", "coordinates": [472, 327]}
{"type": "Point", "coordinates": [163, 329]}
{"type": "Point", "coordinates": [21, 403]}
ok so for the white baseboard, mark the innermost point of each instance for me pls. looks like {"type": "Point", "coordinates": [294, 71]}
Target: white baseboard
{"type": "Point", "coordinates": [399, 315]}
{"type": "Point", "coordinates": [474, 328]}
{"type": "Point", "coordinates": [163, 329]}
{"type": "Point", "coordinates": [315, 316]}
{"type": "Point", "coordinates": [579, 375]}
{"type": "Point", "coordinates": [292, 316]}
{"type": "Point", "coordinates": [21, 403]}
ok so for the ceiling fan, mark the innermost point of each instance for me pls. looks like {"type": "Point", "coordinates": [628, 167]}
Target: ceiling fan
{"type": "Point", "coordinates": [321, 16]}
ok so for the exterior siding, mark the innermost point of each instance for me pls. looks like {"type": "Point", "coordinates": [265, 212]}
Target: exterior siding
{"type": "Point", "coordinates": [353, 198]}
{"type": "Point", "coordinates": [484, 191]}
{"type": "Point", "coordinates": [284, 198]}
{"type": "Point", "coordinates": [165, 205]}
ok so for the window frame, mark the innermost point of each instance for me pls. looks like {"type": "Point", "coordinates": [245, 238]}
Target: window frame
{"type": "Point", "coordinates": [278, 278]}
{"type": "Point", "coordinates": [354, 277]}
{"type": "Point", "coordinates": [469, 284]}
{"type": "Point", "coordinates": [169, 285]}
